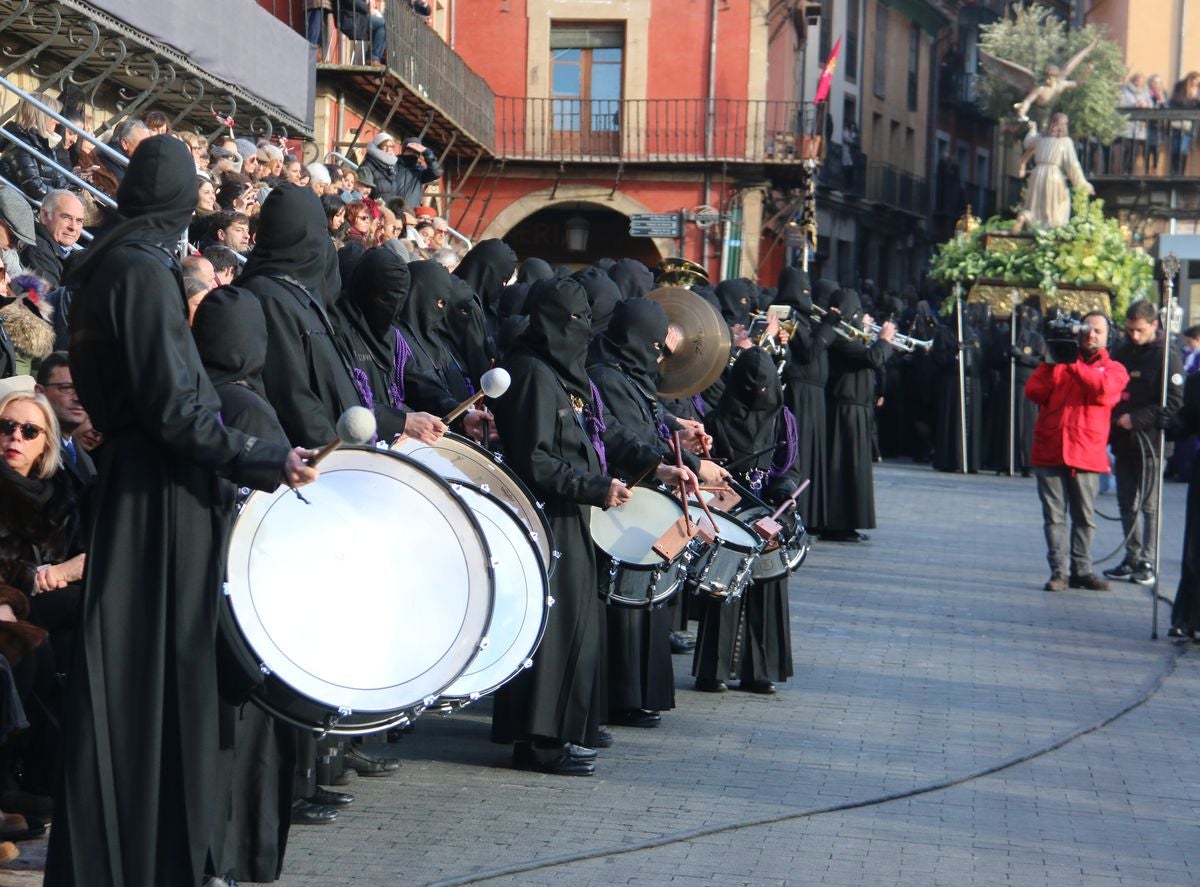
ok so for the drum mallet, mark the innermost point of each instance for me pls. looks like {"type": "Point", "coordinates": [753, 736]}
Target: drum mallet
{"type": "Point", "coordinates": [769, 527]}
{"type": "Point", "coordinates": [355, 427]}
{"type": "Point", "coordinates": [492, 384]}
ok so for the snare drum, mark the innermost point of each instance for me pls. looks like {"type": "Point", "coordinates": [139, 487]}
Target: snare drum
{"type": "Point", "coordinates": [638, 576]}
{"type": "Point", "coordinates": [458, 459]}
{"type": "Point", "coordinates": [723, 569]}
{"type": "Point", "coordinates": [522, 602]}
{"type": "Point", "coordinates": [378, 535]}
{"type": "Point", "coordinates": [786, 553]}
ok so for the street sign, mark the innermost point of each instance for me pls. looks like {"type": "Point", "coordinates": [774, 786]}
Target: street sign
{"type": "Point", "coordinates": [654, 225]}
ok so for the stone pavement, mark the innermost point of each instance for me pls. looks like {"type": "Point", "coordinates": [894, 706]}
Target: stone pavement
{"type": "Point", "coordinates": [925, 661]}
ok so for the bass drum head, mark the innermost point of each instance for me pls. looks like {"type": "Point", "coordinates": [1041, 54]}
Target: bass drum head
{"type": "Point", "coordinates": [628, 532]}
{"type": "Point", "coordinates": [381, 537]}
{"type": "Point", "coordinates": [522, 600]}
{"type": "Point", "coordinates": [458, 459]}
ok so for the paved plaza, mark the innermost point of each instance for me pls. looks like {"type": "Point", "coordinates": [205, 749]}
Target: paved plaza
{"type": "Point", "coordinates": [949, 723]}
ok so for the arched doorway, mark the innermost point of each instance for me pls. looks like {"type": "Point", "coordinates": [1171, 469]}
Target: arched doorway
{"type": "Point", "coordinates": [578, 233]}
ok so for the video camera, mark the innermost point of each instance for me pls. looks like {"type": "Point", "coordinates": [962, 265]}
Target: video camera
{"type": "Point", "coordinates": [1062, 339]}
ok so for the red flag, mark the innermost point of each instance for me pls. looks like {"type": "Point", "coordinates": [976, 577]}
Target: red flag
{"type": "Point", "coordinates": [827, 74]}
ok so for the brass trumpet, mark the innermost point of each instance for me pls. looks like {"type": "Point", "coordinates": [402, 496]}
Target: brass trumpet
{"type": "Point", "coordinates": [900, 341]}
{"type": "Point", "coordinates": [676, 271]}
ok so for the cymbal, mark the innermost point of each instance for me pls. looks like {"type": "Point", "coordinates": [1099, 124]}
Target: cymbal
{"type": "Point", "coordinates": [704, 352]}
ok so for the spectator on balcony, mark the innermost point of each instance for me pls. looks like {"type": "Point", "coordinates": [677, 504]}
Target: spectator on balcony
{"type": "Point", "coordinates": [103, 171]}
{"type": "Point", "coordinates": [270, 160]}
{"type": "Point", "coordinates": [417, 167]}
{"type": "Point", "coordinates": [25, 162]}
{"type": "Point", "coordinates": [1134, 94]}
{"type": "Point", "coordinates": [158, 123]}
{"type": "Point", "coordinates": [315, 12]}
{"type": "Point", "coordinates": [319, 180]}
{"type": "Point", "coordinates": [248, 151]}
{"type": "Point", "coordinates": [335, 218]}
{"type": "Point", "coordinates": [230, 228]}
{"type": "Point", "coordinates": [293, 170]}
{"type": "Point", "coordinates": [1185, 96]}
{"type": "Point", "coordinates": [381, 163]}
{"type": "Point", "coordinates": [222, 161]}
{"type": "Point", "coordinates": [59, 224]}
{"type": "Point", "coordinates": [356, 22]}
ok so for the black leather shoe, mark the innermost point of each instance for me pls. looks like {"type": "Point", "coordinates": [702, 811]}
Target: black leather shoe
{"type": "Point", "coordinates": [635, 717]}
{"type": "Point", "coordinates": [604, 737]}
{"type": "Point", "coordinates": [580, 752]}
{"type": "Point", "coordinates": [565, 765]}
{"type": "Point", "coordinates": [847, 536]}
{"type": "Point", "coordinates": [681, 643]}
{"type": "Point", "coordinates": [764, 687]}
{"type": "Point", "coordinates": [1088, 582]}
{"type": "Point", "coordinates": [369, 765]}
{"type": "Point", "coordinates": [710, 685]}
{"type": "Point", "coordinates": [324, 797]}
{"type": "Point", "coordinates": [304, 813]}
{"type": "Point", "coordinates": [1174, 632]}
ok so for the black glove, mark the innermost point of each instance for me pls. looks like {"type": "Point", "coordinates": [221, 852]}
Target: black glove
{"type": "Point", "coordinates": [1163, 419]}
{"type": "Point", "coordinates": [830, 318]}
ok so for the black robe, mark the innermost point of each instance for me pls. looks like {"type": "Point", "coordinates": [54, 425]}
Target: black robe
{"type": "Point", "coordinates": [137, 801]}
{"type": "Point", "coordinates": [1185, 611]}
{"type": "Point", "coordinates": [259, 752]}
{"type": "Point", "coordinates": [425, 327]}
{"type": "Point", "coordinates": [998, 439]}
{"type": "Point", "coordinates": [750, 638]}
{"type": "Point", "coordinates": [546, 445]}
{"type": "Point", "coordinates": [850, 405]}
{"type": "Point", "coordinates": [486, 268]}
{"type": "Point", "coordinates": [805, 376]}
{"type": "Point", "coordinates": [640, 671]}
{"type": "Point", "coordinates": [947, 439]}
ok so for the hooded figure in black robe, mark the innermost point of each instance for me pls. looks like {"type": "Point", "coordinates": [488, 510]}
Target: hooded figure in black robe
{"type": "Point", "coordinates": [534, 269]}
{"type": "Point", "coordinates": [805, 375]}
{"type": "Point", "coordinates": [365, 319]}
{"type": "Point", "coordinates": [632, 278]}
{"type": "Point", "coordinates": [260, 752]}
{"type": "Point", "coordinates": [1007, 362]}
{"type": "Point", "coordinates": [850, 408]}
{"type": "Point", "coordinates": [945, 355]}
{"type": "Point", "coordinates": [750, 417]}
{"type": "Point", "coordinates": [738, 300]}
{"type": "Point", "coordinates": [464, 312]}
{"type": "Point", "coordinates": [1185, 611]}
{"type": "Point", "coordinates": [136, 804]}
{"type": "Point", "coordinates": [623, 364]}
{"type": "Point", "coordinates": [485, 269]}
{"type": "Point", "coordinates": [424, 324]}
{"type": "Point", "coordinates": [558, 439]}
{"type": "Point", "coordinates": [603, 297]}
{"type": "Point", "coordinates": [917, 386]}
{"type": "Point", "coordinates": [293, 270]}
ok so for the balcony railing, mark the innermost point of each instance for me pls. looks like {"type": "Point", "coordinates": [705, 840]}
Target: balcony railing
{"type": "Point", "coordinates": [896, 188]}
{"type": "Point", "coordinates": [656, 130]}
{"type": "Point", "coordinates": [1158, 144]}
{"type": "Point", "coordinates": [845, 170]}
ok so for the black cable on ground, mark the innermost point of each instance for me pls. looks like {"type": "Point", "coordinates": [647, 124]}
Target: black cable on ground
{"type": "Point", "coordinates": [1149, 688]}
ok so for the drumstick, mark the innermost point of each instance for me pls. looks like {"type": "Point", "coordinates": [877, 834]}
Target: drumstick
{"type": "Point", "coordinates": [687, 514]}
{"type": "Point", "coordinates": [493, 383]}
{"type": "Point", "coordinates": [791, 500]}
{"type": "Point", "coordinates": [356, 427]}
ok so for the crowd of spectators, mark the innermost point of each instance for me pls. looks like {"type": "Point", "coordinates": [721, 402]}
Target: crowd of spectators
{"type": "Point", "coordinates": [1158, 146]}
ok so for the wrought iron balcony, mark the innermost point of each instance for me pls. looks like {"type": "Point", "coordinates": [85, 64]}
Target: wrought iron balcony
{"type": "Point", "coordinates": [1159, 145]}
{"type": "Point", "coordinates": [896, 188]}
{"type": "Point", "coordinates": [657, 130]}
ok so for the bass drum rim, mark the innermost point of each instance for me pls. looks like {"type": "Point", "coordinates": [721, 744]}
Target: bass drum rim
{"type": "Point", "coordinates": [410, 447]}
{"type": "Point", "coordinates": [277, 693]}
{"type": "Point", "coordinates": [458, 700]}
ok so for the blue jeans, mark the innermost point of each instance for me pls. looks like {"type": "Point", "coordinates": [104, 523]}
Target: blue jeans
{"type": "Point", "coordinates": [316, 26]}
{"type": "Point", "coordinates": [378, 38]}
{"type": "Point", "coordinates": [1068, 494]}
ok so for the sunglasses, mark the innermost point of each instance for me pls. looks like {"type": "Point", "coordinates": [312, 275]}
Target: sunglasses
{"type": "Point", "coordinates": [29, 431]}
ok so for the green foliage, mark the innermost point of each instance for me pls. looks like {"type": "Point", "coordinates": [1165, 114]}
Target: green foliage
{"type": "Point", "coordinates": [1090, 249]}
{"type": "Point", "coordinates": [1034, 39]}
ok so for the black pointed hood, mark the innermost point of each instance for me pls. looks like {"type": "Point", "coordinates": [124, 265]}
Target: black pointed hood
{"type": "Point", "coordinates": [738, 298]}
{"type": "Point", "coordinates": [637, 325]}
{"type": "Point", "coordinates": [487, 268]}
{"type": "Point", "coordinates": [795, 290]}
{"type": "Point", "coordinates": [603, 296]}
{"type": "Point", "coordinates": [293, 241]}
{"type": "Point", "coordinates": [632, 278]}
{"type": "Point", "coordinates": [230, 330]}
{"type": "Point", "coordinates": [424, 324]}
{"type": "Point", "coordinates": [560, 324]}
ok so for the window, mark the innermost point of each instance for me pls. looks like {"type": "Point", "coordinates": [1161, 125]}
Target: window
{"type": "Point", "coordinates": [881, 29]}
{"type": "Point", "coordinates": [586, 80]}
{"type": "Point", "coordinates": [914, 65]}
{"type": "Point", "coordinates": [825, 34]}
{"type": "Point", "coordinates": [851, 50]}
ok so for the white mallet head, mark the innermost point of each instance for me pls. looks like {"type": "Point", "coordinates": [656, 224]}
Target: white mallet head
{"type": "Point", "coordinates": [356, 426]}
{"type": "Point", "coordinates": [495, 382]}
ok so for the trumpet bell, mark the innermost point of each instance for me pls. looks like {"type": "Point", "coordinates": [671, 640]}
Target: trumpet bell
{"type": "Point", "coordinates": [679, 272]}
{"type": "Point", "coordinates": [704, 350]}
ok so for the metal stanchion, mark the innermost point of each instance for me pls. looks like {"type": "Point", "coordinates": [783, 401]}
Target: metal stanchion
{"type": "Point", "coordinates": [1169, 318]}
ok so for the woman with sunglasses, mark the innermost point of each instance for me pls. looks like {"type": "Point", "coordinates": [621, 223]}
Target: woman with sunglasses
{"type": "Point", "coordinates": [41, 564]}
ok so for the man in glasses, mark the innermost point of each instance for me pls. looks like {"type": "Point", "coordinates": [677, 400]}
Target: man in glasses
{"type": "Point", "coordinates": [54, 381]}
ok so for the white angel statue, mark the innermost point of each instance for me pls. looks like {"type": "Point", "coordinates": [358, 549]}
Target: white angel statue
{"type": "Point", "coordinates": [1040, 94]}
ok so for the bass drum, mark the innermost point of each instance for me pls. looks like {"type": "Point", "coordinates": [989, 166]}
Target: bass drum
{"type": "Point", "coordinates": [376, 534]}
{"type": "Point", "coordinates": [458, 459]}
{"type": "Point", "coordinates": [522, 602]}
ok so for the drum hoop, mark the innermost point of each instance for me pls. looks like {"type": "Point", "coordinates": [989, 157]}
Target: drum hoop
{"type": "Point", "coordinates": [662, 563]}
{"type": "Point", "coordinates": [460, 699]}
{"type": "Point", "coordinates": [476, 612]}
{"type": "Point", "coordinates": [455, 442]}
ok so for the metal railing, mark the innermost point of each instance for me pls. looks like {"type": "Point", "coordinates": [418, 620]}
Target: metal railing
{"type": "Point", "coordinates": [1158, 144]}
{"type": "Point", "coordinates": [845, 170]}
{"type": "Point", "coordinates": [896, 188]}
{"type": "Point", "coordinates": [656, 130]}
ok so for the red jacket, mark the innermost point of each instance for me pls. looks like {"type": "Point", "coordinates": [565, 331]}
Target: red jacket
{"type": "Point", "coordinates": [1076, 401]}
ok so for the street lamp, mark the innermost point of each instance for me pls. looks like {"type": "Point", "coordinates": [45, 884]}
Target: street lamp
{"type": "Point", "coordinates": [577, 234]}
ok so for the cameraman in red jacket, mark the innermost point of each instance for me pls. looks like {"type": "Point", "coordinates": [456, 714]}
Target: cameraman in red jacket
{"type": "Point", "coordinates": [1076, 397]}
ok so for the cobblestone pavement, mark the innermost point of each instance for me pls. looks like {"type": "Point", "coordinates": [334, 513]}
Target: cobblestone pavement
{"type": "Point", "coordinates": [926, 660]}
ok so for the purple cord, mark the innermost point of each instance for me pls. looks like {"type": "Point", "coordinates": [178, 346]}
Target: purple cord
{"type": "Point", "coordinates": [789, 424]}
{"type": "Point", "coordinates": [363, 386]}
{"type": "Point", "coordinates": [698, 403]}
{"type": "Point", "coordinates": [593, 415]}
{"type": "Point", "coordinates": [402, 354]}
{"type": "Point", "coordinates": [664, 432]}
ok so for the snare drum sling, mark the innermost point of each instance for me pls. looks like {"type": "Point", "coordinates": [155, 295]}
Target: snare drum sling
{"type": "Point", "coordinates": [750, 639]}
